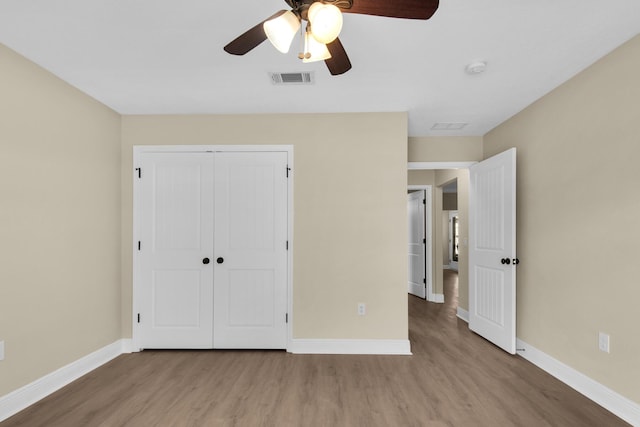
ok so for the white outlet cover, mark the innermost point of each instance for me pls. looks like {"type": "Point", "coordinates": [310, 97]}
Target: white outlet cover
{"type": "Point", "coordinates": [362, 309]}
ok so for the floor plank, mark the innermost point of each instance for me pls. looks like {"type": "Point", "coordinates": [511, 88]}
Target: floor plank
{"type": "Point", "coordinates": [454, 378]}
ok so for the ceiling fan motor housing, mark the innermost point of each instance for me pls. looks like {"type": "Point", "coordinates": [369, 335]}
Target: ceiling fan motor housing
{"type": "Point", "coordinates": [301, 7]}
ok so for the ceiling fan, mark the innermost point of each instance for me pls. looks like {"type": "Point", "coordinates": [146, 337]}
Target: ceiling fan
{"type": "Point", "coordinates": [323, 24]}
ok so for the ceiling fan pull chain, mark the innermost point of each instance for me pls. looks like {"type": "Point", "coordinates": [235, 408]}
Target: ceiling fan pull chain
{"type": "Point", "coordinates": [302, 44]}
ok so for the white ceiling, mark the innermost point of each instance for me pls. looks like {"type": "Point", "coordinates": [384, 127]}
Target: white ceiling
{"type": "Point", "coordinates": [166, 57]}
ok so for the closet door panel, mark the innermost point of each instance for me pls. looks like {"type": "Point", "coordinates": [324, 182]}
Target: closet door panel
{"type": "Point", "coordinates": [250, 238]}
{"type": "Point", "coordinates": [176, 236]}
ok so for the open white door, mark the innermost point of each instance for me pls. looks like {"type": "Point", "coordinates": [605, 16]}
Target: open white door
{"type": "Point", "coordinates": [492, 246]}
{"type": "Point", "coordinates": [417, 242]}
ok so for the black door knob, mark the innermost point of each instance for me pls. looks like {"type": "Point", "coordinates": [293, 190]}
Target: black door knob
{"type": "Point", "coordinates": [516, 261]}
{"type": "Point", "coordinates": [205, 260]}
{"type": "Point", "coordinates": [220, 260]}
{"type": "Point", "coordinates": [505, 261]}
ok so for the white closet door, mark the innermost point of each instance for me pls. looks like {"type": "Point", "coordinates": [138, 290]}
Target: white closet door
{"type": "Point", "coordinates": [250, 292]}
{"type": "Point", "coordinates": [176, 237]}
{"type": "Point", "coordinates": [417, 274]}
{"type": "Point", "coordinates": [492, 247]}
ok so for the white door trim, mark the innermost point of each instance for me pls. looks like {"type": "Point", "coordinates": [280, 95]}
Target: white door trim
{"type": "Point", "coordinates": [439, 165]}
{"type": "Point", "coordinates": [138, 150]}
{"type": "Point", "coordinates": [428, 212]}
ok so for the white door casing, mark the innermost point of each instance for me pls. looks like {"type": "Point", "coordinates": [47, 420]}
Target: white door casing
{"type": "Point", "coordinates": [416, 243]}
{"type": "Point", "coordinates": [176, 288]}
{"type": "Point", "coordinates": [250, 274]}
{"type": "Point", "coordinates": [175, 228]}
{"type": "Point", "coordinates": [492, 246]}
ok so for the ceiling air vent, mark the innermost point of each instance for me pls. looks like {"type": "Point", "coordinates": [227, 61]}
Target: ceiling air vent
{"type": "Point", "coordinates": [448, 126]}
{"type": "Point", "coordinates": [305, 78]}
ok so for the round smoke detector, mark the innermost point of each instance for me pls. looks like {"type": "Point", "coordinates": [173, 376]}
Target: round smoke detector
{"type": "Point", "coordinates": [476, 67]}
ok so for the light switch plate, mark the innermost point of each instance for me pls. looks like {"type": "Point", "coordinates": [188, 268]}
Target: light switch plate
{"type": "Point", "coordinates": [603, 342]}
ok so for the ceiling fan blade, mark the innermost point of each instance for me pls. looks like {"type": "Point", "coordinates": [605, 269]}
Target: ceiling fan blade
{"type": "Point", "coordinates": [411, 9]}
{"type": "Point", "coordinates": [251, 38]}
{"type": "Point", "coordinates": [339, 62]}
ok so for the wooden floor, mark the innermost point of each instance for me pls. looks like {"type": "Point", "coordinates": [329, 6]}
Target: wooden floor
{"type": "Point", "coordinates": [454, 378]}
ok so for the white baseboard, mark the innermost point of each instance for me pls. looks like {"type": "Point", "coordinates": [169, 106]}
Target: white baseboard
{"type": "Point", "coordinates": [326, 346]}
{"type": "Point", "coordinates": [438, 298]}
{"type": "Point", "coordinates": [23, 397]}
{"type": "Point", "coordinates": [605, 397]}
{"type": "Point", "coordinates": [463, 314]}
{"type": "Point", "coordinates": [127, 345]}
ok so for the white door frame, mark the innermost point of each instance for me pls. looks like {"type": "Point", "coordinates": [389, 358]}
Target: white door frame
{"type": "Point", "coordinates": [138, 150]}
{"type": "Point", "coordinates": [428, 227]}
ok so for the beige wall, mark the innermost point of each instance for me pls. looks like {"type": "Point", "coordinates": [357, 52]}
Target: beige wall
{"type": "Point", "coordinates": [578, 207]}
{"type": "Point", "coordinates": [422, 177]}
{"type": "Point", "coordinates": [59, 223]}
{"type": "Point", "coordinates": [445, 148]}
{"type": "Point", "coordinates": [350, 240]}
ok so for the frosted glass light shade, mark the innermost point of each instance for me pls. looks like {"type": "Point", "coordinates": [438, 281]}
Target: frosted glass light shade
{"type": "Point", "coordinates": [326, 21]}
{"type": "Point", "coordinates": [281, 30]}
{"type": "Point", "coordinates": [314, 50]}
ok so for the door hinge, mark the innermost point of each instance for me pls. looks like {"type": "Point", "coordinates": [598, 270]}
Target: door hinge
{"type": "Point", "coordinates": [424, 241]}
{"type": "Point", "coordinates": [287, 245]}
{"type": "Point", "coordinates": [139, 245]}
{"type": "Point", "coordinates": [138, 317]}
{"type": "Point", "coordinates": [286, 318]}
{"type": "Point", "coordinates": [424, 281]}
{"type": "Point", "coordinates": [424, 201]}
{"type": "Point", "coordinates": [139, 170]}
{"type": "Point", "coordinates": [288, 169]}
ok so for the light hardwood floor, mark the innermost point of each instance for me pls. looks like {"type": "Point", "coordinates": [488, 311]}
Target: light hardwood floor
{"type": "Point", "coordinates": [454, 378]}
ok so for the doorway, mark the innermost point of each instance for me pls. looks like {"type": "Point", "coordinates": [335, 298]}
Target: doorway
{"type": "Point", "coordinates": [438, 175]}
{"type": "Point", "coordinates": [489, 288]}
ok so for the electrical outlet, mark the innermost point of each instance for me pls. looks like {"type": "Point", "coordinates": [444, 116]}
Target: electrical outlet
{"type": "Point", "coordinates": [1, 350]}
{"type": "Point", "coordinates": [362, 309]}
{"type": "Point", "coordinates": [603, 342]}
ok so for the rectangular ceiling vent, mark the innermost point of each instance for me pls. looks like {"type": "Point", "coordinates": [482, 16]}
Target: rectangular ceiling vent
{"type": "Point", "coordinates": [448, 126]}
{"type": "Point", "coordinates": [304, 78]}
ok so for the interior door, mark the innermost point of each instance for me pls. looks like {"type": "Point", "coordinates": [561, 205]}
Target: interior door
{"type": "Point", "coordinates": [492, 246]}
{"type": "Point", "coordinates": [417, 275]}
{"type": "Point", "coordinates": [250, 293]}
{"type": "Point", "coordinates": [176, 240]}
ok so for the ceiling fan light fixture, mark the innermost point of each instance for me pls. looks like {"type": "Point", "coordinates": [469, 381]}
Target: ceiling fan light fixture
{"type": "Point", "coordinates": [281, 30]}
{"type": "Point", "coordinates": [326, 21]}
{"type": "Point", "coordinates": [314, 50]}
